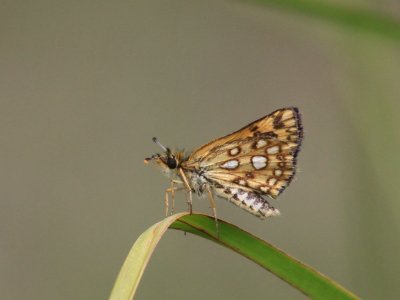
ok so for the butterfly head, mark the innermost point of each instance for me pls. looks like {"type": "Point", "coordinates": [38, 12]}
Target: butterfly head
{"type": "Point", "coordinates": [167, 160]}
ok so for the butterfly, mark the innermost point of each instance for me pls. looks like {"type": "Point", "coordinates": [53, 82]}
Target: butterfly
{"type": "Point", "coordinates": [244, 167]}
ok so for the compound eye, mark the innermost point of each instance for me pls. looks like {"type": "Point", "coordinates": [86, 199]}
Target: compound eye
{"type": "Point", "coordinates": [172, 163]}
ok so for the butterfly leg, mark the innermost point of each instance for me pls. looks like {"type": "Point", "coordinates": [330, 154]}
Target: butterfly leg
{"type": "Point", "coordinates": [189, 189]}
{"type": "Point", "coordinates": [213, 207]}
{"type": "Point", "coordinates": [189, 200]}
{"type": "Point", "coordinates": [171, 190]}
{"type": "Point", "coordinates": [166, 202]}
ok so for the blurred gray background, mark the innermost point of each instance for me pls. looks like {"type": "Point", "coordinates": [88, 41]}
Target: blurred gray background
{"type": "Point", "coordinates": [85, 85]}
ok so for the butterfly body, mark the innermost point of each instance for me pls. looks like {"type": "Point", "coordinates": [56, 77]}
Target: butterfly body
{"type": "Point", "coordinates": [244, 167]}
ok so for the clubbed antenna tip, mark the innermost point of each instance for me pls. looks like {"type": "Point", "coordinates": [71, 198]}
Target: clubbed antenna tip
{"type": "Point", "coordinates": [155, 140]}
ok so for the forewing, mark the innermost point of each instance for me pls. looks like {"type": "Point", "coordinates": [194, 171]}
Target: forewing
{"type": "Point", "coordinates": [260, 157]}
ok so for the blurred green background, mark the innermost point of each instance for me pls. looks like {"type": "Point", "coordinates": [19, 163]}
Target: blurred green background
{"type": "Point", "coordinates": [85, 85]}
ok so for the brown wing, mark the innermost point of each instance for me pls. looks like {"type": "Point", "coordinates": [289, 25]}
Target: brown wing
{"type": "Point", "coordinates": [260, 157]}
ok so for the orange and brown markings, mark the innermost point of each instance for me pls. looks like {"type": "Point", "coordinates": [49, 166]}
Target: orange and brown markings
{"type": "Point", "coordinates": [260, 157]}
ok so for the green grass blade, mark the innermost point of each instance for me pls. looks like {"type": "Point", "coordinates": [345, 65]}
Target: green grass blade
{"type": "Point", "coordinates": [300, 276]}
{"type": "Point", "coordinates": [297, 274]}
{"type": "Point", "coordinates": [351, 17]}
{"type": "Point", "coordinates": [132, 270]}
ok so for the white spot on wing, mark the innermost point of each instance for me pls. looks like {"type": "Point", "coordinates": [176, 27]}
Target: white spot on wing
{"type": "Point", "coordinates": [234, 191]}
{"type": "Point", "coordinates": [273, 150]}
{"type": "Point", "coordinates": [230, 164]}
{"type": "Point", "coordinates": [242, 196]}
{"type": "Point", "coordinates": [250, 199]}
{"type": "Point", "coordinates": [260, 144]}
{"type": "Point", "coordinates": [257, 205]}
{"type": "Point", "coordinates": [234, 151]}
{"type": "Point", "coordinates": [272, 181]}
{"type": "Point", "coordinates": [259, 162]}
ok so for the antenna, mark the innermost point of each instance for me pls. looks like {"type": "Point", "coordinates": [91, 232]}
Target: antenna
{"type": "Point", "coordinates": [155, 140]}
